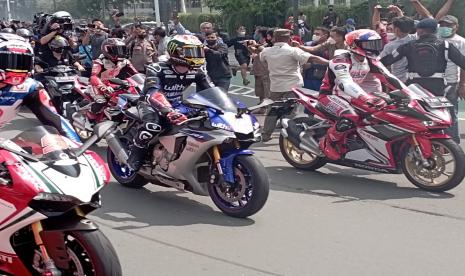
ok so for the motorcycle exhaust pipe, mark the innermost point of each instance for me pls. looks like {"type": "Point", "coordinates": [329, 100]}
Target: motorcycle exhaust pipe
{"type": "Point", "coordinates": [309, 144]}
{"type": "Point", "coordinates": [303, 139]}
{"type": "Point", "coordinates": [77, 121]}
{"type": "Point", "coordinates": [117, 148]}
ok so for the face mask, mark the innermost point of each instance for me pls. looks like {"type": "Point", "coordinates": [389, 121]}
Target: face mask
{"type": "Point", "coordinates": [242, 33]}
{"type": "Point", "coordinates": [57, 50]}
{"type": "Point", "coordinates": [331, 41]}
{"type": "Point", "coordinates": [257, 37]}
{"type": "Point", "coordinates": [316, 38]}
{"type": "Point", "coordinates": [445, 32]}
{"type": "Point", "coordinates": [211, 42]}
{"type": "Point", "coordinates": [391, 36]}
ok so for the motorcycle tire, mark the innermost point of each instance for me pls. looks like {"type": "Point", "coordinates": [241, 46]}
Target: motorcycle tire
{"type": "Point", "coordinates": [459, 172]}
{"type": "Point", "coordinates": [314, 164]}
{"type": "Point", "coordinates": [260, 187]}
{"type": "Point", "coordinates": [96, 250]}
{"type": "Point", "coordinates": [134, 180]}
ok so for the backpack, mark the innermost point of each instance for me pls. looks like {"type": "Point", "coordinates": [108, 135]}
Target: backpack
{"type": "Point", "coordinates": [427, 56]}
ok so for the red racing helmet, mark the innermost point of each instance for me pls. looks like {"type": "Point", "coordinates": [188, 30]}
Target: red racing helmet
{"type": "Point", "coordinates": [364, 42]}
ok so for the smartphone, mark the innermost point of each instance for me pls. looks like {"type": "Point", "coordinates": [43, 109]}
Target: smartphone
{"type": "Point", "coordinates": [119, 14]}
{"type": "Point", "coordinates": [92, 26]}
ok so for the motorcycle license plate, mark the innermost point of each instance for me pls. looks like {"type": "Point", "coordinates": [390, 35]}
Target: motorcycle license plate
{"type": "Point", "coordinates": [438, 102]}
{"type": "Point", "coordinates": [64, 79]}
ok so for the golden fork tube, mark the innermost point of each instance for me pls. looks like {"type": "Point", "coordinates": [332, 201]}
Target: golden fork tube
{"type": "Point", "coordinates": [36, 229]}
{"type": "Point", "coordinates": [414, 138]}
{"type": "Point", "coordinates": [217, 157]}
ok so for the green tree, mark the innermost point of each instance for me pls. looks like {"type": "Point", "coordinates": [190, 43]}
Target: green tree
{"type": "Point", "coordinates": [251, 12]}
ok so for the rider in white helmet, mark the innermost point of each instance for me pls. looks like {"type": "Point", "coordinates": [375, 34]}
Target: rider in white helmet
{"type": "Point", "coordinates": [17, 88]}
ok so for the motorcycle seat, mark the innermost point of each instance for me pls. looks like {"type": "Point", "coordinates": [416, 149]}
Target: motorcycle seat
{"type": "Point", "coordinates": [83, 80]}
{"type": "Point", "coordinates": [309, 92]}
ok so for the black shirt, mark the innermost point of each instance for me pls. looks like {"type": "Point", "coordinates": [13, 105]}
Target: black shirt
{"type": "Point", "coordinates": [66, 58]}
{"type": "Point", "coordinates": [239, 48]}
{"type": "Point", "coordinates": [217, 61]}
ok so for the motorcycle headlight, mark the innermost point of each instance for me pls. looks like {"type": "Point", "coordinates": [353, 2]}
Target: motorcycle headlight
{"type": "Point", "coordinates": [53, 204]}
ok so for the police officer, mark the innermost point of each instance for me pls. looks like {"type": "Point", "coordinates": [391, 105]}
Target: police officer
{"type": "Point", "coordinates": [427, 58]}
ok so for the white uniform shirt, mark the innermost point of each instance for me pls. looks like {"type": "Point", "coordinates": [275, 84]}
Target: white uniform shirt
{"type": "Point", "coordinates": [452, 70]}
{"type": "Point", "coordinates": [284, 64]}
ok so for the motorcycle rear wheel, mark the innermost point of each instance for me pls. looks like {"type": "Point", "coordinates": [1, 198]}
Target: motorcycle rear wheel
{"type": "Point", "coordinates": [121, 172]}
{"type": "Point", "coordinates": [439, 177]}
{"type": "Point", "coordinates": [296, 157]}
{"type": "Point", "coordinates": [248, 194]}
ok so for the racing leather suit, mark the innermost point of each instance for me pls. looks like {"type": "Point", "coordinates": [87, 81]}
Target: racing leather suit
{"type": "Point", "coordinates": [32, 94]}
{"type": "Point", "coordinates": [347, 86]}
{"type": "Point", "coordinates": [163, 90]}
{"type": "Point", "coordinates": [104, 69]}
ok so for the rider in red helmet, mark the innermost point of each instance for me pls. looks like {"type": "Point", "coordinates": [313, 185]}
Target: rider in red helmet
{"type": "Point", "coordinates": [352, 78]}
{"type": "Point", "coordinates": [112, 63]}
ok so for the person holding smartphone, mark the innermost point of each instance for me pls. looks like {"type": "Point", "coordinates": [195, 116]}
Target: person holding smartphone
{"type": "Point", "coordinates": [96, 34]}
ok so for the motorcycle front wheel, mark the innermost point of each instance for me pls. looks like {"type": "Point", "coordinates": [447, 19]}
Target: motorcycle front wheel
{"type": "Point", "coordinates": [90, 253]}
{"type": "Point", "coordinates": [248, 194]}
{"type": "Point", "coordinates": [445, 170]}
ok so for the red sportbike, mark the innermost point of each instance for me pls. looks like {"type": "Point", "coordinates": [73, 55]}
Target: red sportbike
{"type": "Point", "coordinates": [47, 187]}
{"type": "Point", "coordinates": [405, 137]}
{"type": "Point", "coordinates": [79, 114]}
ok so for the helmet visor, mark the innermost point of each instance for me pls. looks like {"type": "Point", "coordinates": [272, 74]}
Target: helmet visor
{"type": "Point", "coordinates": [119, 51]}
{"type": "Point", "coordinates": [371, 45]}
{"type": "Point", "coordinates": [193, 52]}
{"type": "Point", "coordinates": [16, 62]}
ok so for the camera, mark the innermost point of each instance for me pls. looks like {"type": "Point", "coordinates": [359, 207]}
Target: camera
{"type": "Point", "coordinates": [67, 26]}
{"type": "Point", "coordinates": [91, 26]}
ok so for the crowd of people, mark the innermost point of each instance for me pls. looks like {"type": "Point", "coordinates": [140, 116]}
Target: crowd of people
{"type": "Point", "coordinates": [428, 52]}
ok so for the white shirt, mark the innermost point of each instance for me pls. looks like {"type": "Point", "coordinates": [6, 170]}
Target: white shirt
{"type": "Point", "coordinates": [284, 64]}
{"type": "Point", "coordinates": [452, 70]}
{"type": "Point", "coordinates": [400, 68]}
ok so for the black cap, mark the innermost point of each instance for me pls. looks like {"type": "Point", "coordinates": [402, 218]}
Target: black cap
{"type": "Point", "coordinates": [428, 23]}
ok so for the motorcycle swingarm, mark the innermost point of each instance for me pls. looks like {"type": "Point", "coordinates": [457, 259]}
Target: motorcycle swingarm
{"type": "Point", "coordinates": [54, 238]}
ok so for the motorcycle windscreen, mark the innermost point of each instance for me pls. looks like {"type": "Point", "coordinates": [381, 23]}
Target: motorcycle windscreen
{"type": "Point", "coordinates": [215, 98]}
{"type": "Point", "coordinates": [47, 145]}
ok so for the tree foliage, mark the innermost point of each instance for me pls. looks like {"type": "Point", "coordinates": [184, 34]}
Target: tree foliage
{"type": "Point", "coordinates": [250, 12]}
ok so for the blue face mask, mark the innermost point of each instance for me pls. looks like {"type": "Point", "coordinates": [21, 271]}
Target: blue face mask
{"type": "Point", "coordinates": [445, 32]}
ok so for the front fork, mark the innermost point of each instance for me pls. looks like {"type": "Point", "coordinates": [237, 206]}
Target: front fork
{"type": "Point", "coordinates": [423, 149]}
{"type": "Point", "coordinates": [50, 268]}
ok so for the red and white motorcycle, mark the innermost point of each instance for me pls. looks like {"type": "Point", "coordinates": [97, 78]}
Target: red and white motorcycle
{"type": "Point", "coordinates": [405, 137]}
{"type": "Point", "coordinates": [47, 187]}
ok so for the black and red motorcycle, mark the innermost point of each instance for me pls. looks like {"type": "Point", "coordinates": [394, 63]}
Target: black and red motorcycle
{"type": "Point", "coordinates": [405, 137]}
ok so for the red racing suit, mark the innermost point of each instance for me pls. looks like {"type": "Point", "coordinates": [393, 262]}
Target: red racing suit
{"type": "Point", "coordinates": [347, 87]}
{"type": "Point", "coordinates": [104, 69]}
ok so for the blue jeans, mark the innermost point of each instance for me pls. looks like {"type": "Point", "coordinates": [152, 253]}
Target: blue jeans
{"type": "Point", "coordinates": [222, 83]}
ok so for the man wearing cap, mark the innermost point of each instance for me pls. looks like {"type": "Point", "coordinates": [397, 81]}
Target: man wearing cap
{"type": "Point", "coordinates": [284, 64]}
{"type": "Point", "coordinates": [448, 26]}
{"type": "Point", "coordinates": [429, 70]}
{"type": "Point", "coordinates": [429, 60]}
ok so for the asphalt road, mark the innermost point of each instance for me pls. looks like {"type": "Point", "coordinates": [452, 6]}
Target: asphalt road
{"type": "Point", "coordinates": [336, 221]}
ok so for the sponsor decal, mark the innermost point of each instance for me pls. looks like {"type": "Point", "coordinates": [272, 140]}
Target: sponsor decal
{"type": "Point", "coordinates": [221, 125]}
{"type": "Point", "coordinates": [174, 87]}
{"type": "Point", "coordinates": [340, 67]}
{"type": "Point", "coordinates": [168, 72]}
{"type": "Point", "coordinates": [52, 142]}
{"type": "Point", "coordinates": [6, 259]}
{"type": "Point", "coordinates": [190, 77]}
{"type": "Point", "coordinates": [170, 76]}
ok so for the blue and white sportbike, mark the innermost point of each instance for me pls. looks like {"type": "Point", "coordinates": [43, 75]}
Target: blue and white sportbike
{"type": "Point", "coordinates": [207, 155]}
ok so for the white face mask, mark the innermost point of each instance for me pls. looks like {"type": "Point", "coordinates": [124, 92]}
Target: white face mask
{"type": "Point", "coordinates": [316, 38]}
{"type": "Point", "coordinates": [331, 41]}
{"type": "Point", "coordinates": [391, 36]}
